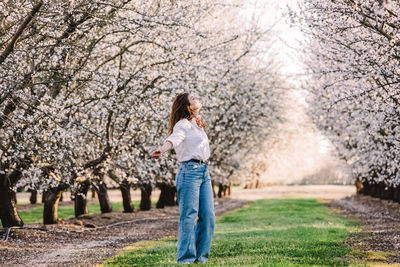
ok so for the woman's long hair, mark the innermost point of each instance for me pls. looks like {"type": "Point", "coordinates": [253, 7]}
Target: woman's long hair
{"type": "Point", "coordinates": [180, 110]}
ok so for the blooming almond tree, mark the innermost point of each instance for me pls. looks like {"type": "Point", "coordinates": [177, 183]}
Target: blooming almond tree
{"type": "Point", "coordinates": [88, 88]}
{"type": "Point", "coordinates": [353, 54]}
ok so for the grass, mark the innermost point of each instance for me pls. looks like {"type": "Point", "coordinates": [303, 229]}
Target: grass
{"type": "Point", "coordinates": [36, 214]}
{"type": "Point", "coordinates": [269, 232]}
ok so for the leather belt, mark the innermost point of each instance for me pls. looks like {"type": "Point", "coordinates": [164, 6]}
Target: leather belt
{"type": "Point", "coordinates": [196, 160]}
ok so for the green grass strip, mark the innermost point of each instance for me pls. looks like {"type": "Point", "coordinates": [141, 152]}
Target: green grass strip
{"type": "Point", "coordinates": [270, 232]}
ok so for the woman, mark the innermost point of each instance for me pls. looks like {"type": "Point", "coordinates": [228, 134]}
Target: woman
{"type": "Point", "coordinates": [193, 183]}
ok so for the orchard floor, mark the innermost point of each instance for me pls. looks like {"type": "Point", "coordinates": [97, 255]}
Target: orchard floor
{"type": "Point", "coordinates": [74, 242]}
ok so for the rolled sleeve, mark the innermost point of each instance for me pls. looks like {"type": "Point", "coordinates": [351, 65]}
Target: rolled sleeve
{"type": "Point", "coordinates": [177, 136]}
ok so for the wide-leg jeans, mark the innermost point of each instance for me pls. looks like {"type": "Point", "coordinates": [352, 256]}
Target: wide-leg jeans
{"type": "Point", "coordinates": [197, 217]}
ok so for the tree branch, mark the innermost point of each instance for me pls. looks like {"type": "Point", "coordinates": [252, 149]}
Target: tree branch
{"type": "Point", "coordinates": [24, 25]}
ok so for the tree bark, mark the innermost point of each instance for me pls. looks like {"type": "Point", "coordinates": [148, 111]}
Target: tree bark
{"type": "Point", "coordinates": [229, 189]}
{"type": "Point", "coordinates": [171, 195]}
{"type": "Point", "coordinates": [163, 196]}
{"type": "Point", "coordinates": [50, 209]}
{"type": "Point", "coordinates": [104, 200]}
{"type": "Point", "coordinates": [10, 46]}
{"type": "Point", "coordinates": [145, 201]}
{"type": "Point", "coordinates": [80, 199]}
{"type": "Point", "coordinates": [396, 195]}
{"type": "Point", "coordinates": [14, 196]}
{"type": "Point", "coordinates": [388, 193]}
{"type": "Point", "coordinates": [125, 187]}
{"type": "Point", "coordinates": [167, 195]}
{"type": "Point", "coordinates": [213, 188]}
{"type": "Point", "coordinates": [366, 188]}
{"type": "Point", "coordinates": [33, 197]}
{"type": "Point", "coordinates": [8, 208]}
{"type": "Point", "coordinates": [381, 190]}
{"type": "Point", "coordinates": [43, 196]}
{"type": "Point", "coordinates": [252, 185]}
{"type": "Point", "coordinates": [359, 186]}
{"type": "Point", "coordinates": [222, 190]}
{"type": "Point", "coordinates": [374, 190]}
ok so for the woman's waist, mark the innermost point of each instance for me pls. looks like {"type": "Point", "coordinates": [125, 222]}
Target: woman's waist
{"type": "Point", "coordinates": [195, 160]}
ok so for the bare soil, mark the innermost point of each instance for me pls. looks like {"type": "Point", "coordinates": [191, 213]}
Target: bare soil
{"type": "Point", "coordinates": [90, 239]}
{"type": "Point", "coordinates": [379, 240]}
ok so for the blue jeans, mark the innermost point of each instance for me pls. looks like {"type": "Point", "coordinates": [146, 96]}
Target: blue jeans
{"type": "Point", "coordinates": [196, 202]}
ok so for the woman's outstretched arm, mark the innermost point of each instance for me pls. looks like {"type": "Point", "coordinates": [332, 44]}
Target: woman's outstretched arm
{"type": "Point", "coordinates": [177, 137]}
{"type": "Point", "coordinates": [165, 147]}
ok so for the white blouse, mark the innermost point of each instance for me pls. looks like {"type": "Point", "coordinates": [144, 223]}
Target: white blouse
{"type": "Point", "coordinates": [189, 141]}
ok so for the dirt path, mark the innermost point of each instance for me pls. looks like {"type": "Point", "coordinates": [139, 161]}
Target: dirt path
{"type": "Point", "coordinates": [380, 238]}
{"type": "Point", "coordinates": [93, 238]}
{"type": "Point", "coordinates": [301, 191]}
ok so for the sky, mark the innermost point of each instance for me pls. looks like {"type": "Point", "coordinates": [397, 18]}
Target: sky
{"type": "Point", "coordinates": [272, 12]}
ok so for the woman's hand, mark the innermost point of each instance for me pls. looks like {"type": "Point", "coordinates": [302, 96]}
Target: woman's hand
{"type": "Point", "coordinates": [156, 153]}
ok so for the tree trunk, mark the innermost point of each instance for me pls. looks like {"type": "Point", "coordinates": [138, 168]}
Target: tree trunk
{"type": "Point", "coordinates": [145, 201]}
{"type": "Point", "coordinates": [80, 199]}
{"type": "Point", "coordinates": [229, 188]}
{"type": "Point", "coordinates": [374, 190]}
{"type": "Point", "coordinates": [14, 196]}
{"type": "Point", "coordinates": [252, 185]}
{"type": "Point", "coordinates": [381, 190]}
{"type": "Point", "coordinates": [167, 196]}
{"type": "Point", "coordinates": [163, 196]}
{"type": "Point", "coordinates": [50, 209]}
{"type": "Point", "coordinates": [8, 208]}
{"type": "Point", "coordinates": [104, 200]}
{"type": "Point", "coordinates": [220, 189]}
{"type": "Point", "coordinates": [398, 194]}
{"type": "Point", "coordinates": [213, 188]}
{"type": "Point", "coordinates": [368, 188]}
{"type": "Point", "coordinates": [395, 193]}
{"type": "Point", "coordinates": [33, 197]}
{"type": "Point", "coordinates": [359, 186]}
{"type": "Point", "coordinates": [43, 196]}
{"type": "Point", "coordinates": [388, 193]}
{"type": "Point", "coordinates": [171, 194]}
{"type": "Point", "coordinates": [125, 187]}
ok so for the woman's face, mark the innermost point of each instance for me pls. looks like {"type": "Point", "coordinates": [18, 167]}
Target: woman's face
{"type": "Point", "coordinates": [194, 102]}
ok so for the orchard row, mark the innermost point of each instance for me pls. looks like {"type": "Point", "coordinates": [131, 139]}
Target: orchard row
{"type": "Point", "coordinates": [353, 50]}
{"type": "Point", "coordinates": [86, 90]}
